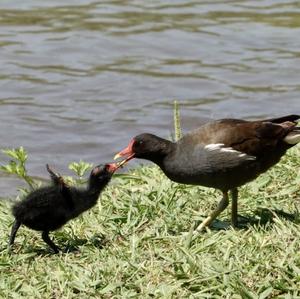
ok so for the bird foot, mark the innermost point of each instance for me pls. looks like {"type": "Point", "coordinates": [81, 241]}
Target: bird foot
{"type": "Point", "coordinates": [192, 235]}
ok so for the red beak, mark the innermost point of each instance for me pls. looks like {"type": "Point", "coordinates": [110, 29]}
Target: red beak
{"type": "Point", "coordinates": [112, 167]}
{"type": "Point", "coordinates": [126, 152]}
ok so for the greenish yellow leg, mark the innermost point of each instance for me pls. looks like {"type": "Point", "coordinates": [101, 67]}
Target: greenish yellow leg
{"type": "Point", "coordinates": [220, 208]}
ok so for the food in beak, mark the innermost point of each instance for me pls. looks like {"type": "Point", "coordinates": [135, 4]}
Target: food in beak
{"type": "Point", "coordinates": [126, 152]}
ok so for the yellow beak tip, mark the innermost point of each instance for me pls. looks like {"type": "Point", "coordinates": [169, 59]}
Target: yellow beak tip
{"type": "Point", "coordinates": [117, 156]}
{"type": "Point", "coordinates": [122, 163]}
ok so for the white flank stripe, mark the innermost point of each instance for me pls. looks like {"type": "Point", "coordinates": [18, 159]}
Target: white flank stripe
{"type": "Point", "coordinates": [229, 150]}
{"type": "Point", "coordinates": [214, 146]}
{"type": "Point", "coordinates": [220, 147]}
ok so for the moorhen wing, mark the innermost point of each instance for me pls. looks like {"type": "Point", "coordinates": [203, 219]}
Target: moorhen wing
{"type": "Point", "coordinates": [222, 154]}
{"type": "Point", "coordinates": [49, 208]}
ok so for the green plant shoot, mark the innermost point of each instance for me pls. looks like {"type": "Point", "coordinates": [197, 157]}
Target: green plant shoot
{"type": "Point", "coordinates": [16, 166]}
{"type": "Point", "coordinates": [177, 123]}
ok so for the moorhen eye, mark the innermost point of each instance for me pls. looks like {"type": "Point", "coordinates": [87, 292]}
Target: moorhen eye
{"type": "Point", "coordinates": [222, 154]}
{"type": "Point", "coordinates": [49, 208]}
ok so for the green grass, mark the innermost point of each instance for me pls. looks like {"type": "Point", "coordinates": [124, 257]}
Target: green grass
{"type": "Point", "coordinates": [131, 245]}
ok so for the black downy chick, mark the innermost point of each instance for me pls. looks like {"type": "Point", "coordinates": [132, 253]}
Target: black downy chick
{"type": "Point", "coordinates": [49, 208]}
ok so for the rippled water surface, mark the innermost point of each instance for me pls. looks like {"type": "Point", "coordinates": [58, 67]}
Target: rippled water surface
{"type": "Point", "coordinates": [80, 78]}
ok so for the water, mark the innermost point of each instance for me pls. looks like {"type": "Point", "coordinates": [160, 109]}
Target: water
{"type": "Point", "coordinates": [80, 78]}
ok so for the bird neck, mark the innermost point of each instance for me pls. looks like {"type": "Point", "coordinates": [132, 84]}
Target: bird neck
{"type": "Point", "coordinates": [96, 185]}
{"type": "Point", "coordinates": [93, 193]}
{"type": "Point", "coordinates": [165, 149]}
{"type": "Point", "coordinates": [88, 197]}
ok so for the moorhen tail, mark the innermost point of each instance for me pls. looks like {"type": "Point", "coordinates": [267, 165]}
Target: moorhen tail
{"type": "Point", "coordinates": [222, 154]}
{"type": "Point", "coordinates": [49, 208]}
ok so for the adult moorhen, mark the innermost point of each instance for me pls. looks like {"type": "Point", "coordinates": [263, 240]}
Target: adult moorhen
{"type": "Point", "coordinates": [222, 154]}
{"type": "Point", "coordinates": [50, 207]}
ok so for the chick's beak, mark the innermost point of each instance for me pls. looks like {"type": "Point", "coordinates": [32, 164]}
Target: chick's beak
{"type": "Point", "coordinates": [126, 152]}
{"type": "Point", "coordinates": [112, 167]}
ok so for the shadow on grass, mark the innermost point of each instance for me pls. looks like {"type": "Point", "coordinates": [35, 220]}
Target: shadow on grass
{"type": "Point", "coordinates": [66, 245]}
{"type": "Point", "coordinates": [72, 245]}
{"type": "Point", "coordinates": [264, 216]}
{"type": "Point", "coordinates": [260, 217]}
